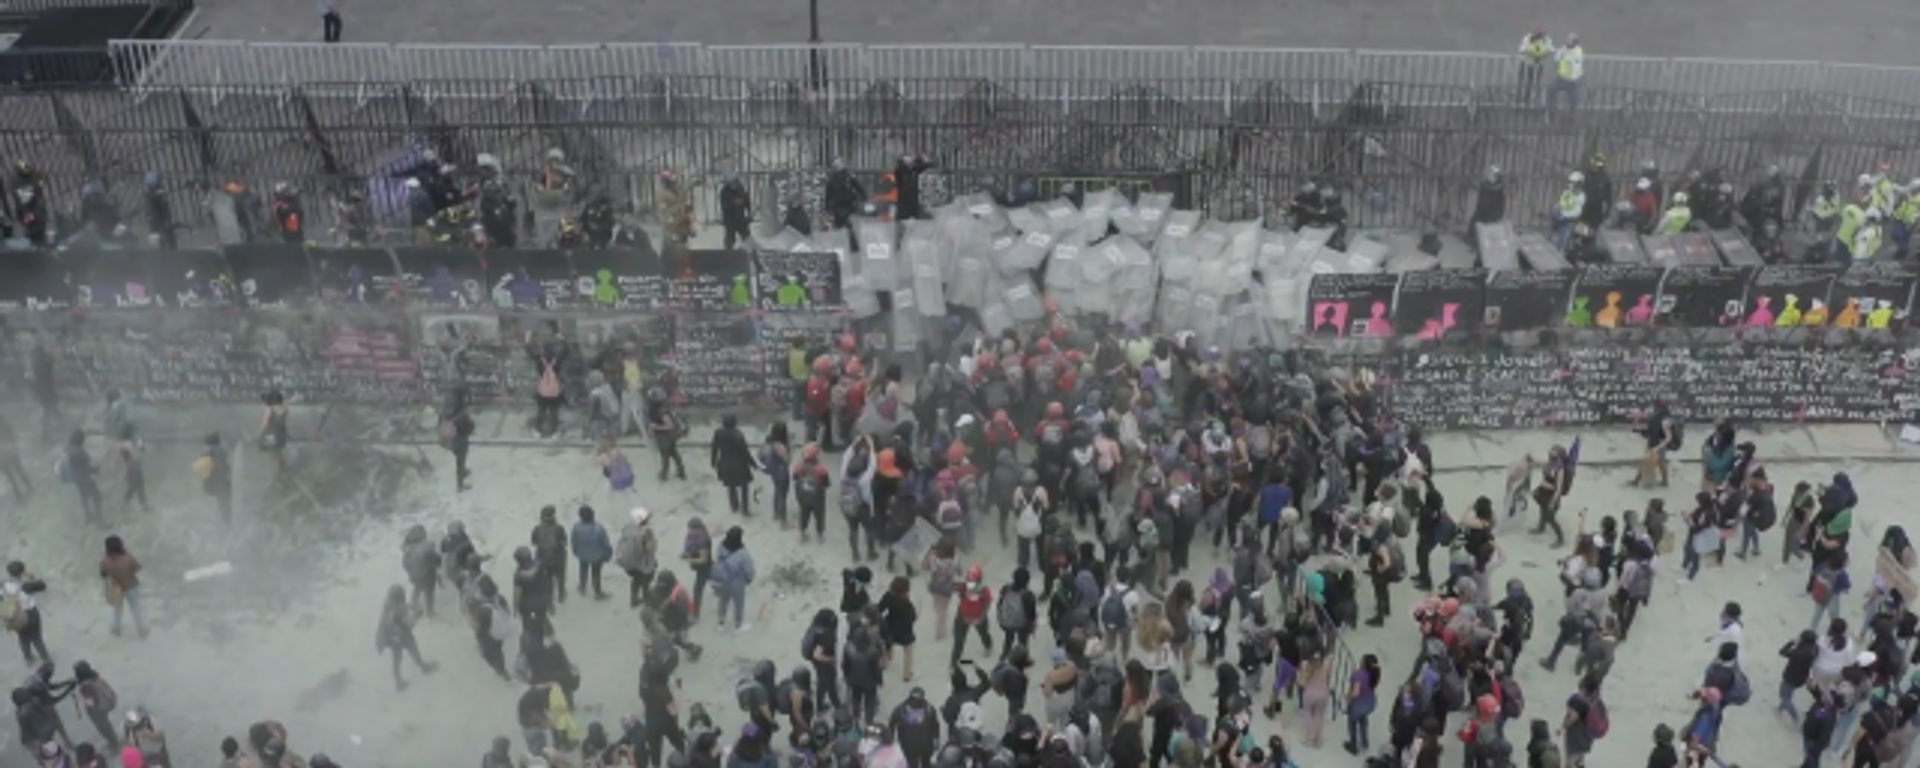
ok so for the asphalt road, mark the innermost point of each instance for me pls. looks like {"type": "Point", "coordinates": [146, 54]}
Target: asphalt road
{"type": "Point", "coordinates": [1870, 31]}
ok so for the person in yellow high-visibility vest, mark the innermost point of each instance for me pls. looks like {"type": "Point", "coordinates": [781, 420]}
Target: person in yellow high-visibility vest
{"type": "Point", "coordinates": [1867, 241]}
{"type": "Point", "coordinates": [1906, 216]}
{"type": "Point", "coordinates": [1878, 192]}
{"type": "Point", "coordinates": [1535, 49]}
{"type": "Point", "coordinates": [1678, 217]}
{"type": "Point", "coordinates": [1569, 66]}
{"type": "Point", "coordinates": [1573, 199]}
{"type": "Point", "coordinates": [1851, 217]}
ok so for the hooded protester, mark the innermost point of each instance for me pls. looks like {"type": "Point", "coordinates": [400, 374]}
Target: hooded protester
{"type": "Point", "coordinates": [733, 571]}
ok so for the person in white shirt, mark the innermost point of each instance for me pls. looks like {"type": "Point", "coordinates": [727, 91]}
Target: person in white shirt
{"type": "Point", "coordinates": [21, 611]}
{"type": "Point", "coordinates": [1732, 630]}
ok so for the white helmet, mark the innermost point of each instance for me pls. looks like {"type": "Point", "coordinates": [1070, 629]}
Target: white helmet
{"type": "Point", "coordinates": [1873, 214]}
{"type": "Point", "coordinates": [1643, 184]}
{"type": "Point", "coordinates": [1679, 198]}
{"type": "Point", "coordinates": [1576, 177]}
{"type": "Point", "coordinates": [1865, 180]}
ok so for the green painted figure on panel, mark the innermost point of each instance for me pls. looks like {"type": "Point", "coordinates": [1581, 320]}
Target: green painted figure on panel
{"type": "Point", "coordinates": [1578, 316]}
{"type": "Point", "coordinates": [791, 295]}
{"type": "Point", "coordinates": [1789, 314]}
{"type": "Point", "coordinates": [604, 291]}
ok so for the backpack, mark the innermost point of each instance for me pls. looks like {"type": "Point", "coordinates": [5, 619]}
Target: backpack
{"type": "Point", "coordinates": [1260, 443]}
{"type": "Point", "coordinates": [1402, 524]}
{"type": "Point", "coordinates": [807, 487]}
{"type": "Point", "coordinates": [1513, 703]}
{"type": "Point", "coordinates": [1013, 615]}
{"type": "Point", "coordinates": [997, 395]}
{"type": "Point", "coordinates": [1764, 517]}
{"type": "Point", "coordinates": [1052, 434]}
{"type": "Point", "coordinates": [1086, 482]}
{"type": "Point", "coordinates": [549, 385]}
{"type": "Point", "coordinates": [1027, 522]}
{"type": "Point", "coordinates": [1638, 581]}
{"type": "Point", "coordinates": [1190, 505]}
{"type": "Point", "coordinates": [1396, 563]}
{"type": "Point", "coordinates": [749, 694]}
{"type": "Point", "coordinates": [851, 504]}
{"type": "Point", "coordinates": [1487, 740]}
{"type": "Point", "coordinates": [1453, 690]}
{"type": "Point", "coordinates": [1045, 377]}
{"type": "Point", "coordinates": [1598, 723]}
{"type": "Point", "coordinates": [14, 612]}
{"type": "Point", "coordinates": [1742, 690]}
{"type": "Point", "coordinates": [1113, 611]}
{"type": "Point", "coordinates": [1678, 430]}
{"type": "Point", "coordinates": [1003, 682]}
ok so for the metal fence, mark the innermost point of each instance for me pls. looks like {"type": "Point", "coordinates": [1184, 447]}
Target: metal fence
{"type": "Point", "coordinates": [1407, 134]}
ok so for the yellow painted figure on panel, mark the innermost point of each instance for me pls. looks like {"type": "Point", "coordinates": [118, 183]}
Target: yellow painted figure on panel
{"type": "Point", "coordinates": [1881, 316]}
{"type": "Point", "coordinates": [1578, 316]}
{"type": "Point", "coordinates": [1849, 316]}
{"type": "Point", "coordinates": [1609, 315]}
{"type": "Point", "coordinates": [1816, 314]}
{"type": "Point", "coordinates": [1789, 314]}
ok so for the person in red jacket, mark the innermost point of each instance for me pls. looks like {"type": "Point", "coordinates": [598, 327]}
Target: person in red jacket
{"type": "Point", "coordinates": [856, 378]}
{"type": "Point", "coordinates": [816, 402]}
{"type": "Point", "coordinates": [975, 603]}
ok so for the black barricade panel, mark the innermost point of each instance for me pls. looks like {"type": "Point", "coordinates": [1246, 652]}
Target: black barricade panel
{"type": "Point", "coordinates": [1614, 296]}
{"type": "Point", "coordinates": [1527, 301]}
{"type": "Point", "coordinates": [533, 279]}
{"type": "Point", "coordinates": [707, 281]}
{"type": "Point", "coordinates": [1437, 303]}
{"type": "Point", "coordinates": [1781, 294]}
{"type": "Point", "coordinates": [33, 280]}
{"type": "Point", "coordinates": [614, 278]}
{"type": "Point", "coordinates": [1616, 384]}
{"type": "Point", "coordinates": [445, 278]}
{"type": "Point", "coordinates": [1873, 295]}
{"type": "Point", "coordinates": [717, 360]}
{"type": "Point", "coordinates": [1341, 304]}
{"type": "Point", "coordinates": [373, 360]}
{"type": "Point", "coordinates": [356, 276]}
{"type": "Point", "coordinates": [105, 278]}
{"type": "Point", "coordinates": [268, 276]}
{"type": "Point", "coordinates": [1704, 297]}
{"type": "Point", "coordinates": [191, 279]}
{"type": "Point", "coordinates": [797, 281]}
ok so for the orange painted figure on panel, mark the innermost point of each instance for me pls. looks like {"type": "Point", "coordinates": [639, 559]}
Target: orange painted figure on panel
{"type": "Point", "coordinates": [1609, 316]}
{"type": "Point", "coordinates": [1849, 316]}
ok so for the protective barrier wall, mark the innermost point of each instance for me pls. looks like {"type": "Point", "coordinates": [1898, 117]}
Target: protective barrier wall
{"type": "Point", "coordinates": [1407, 135]}
{"type": "Point", "coordinates": [399, 327]}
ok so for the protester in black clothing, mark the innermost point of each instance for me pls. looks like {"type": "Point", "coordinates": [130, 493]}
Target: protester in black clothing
{"type": "Point", "coordinates": [736, 212]}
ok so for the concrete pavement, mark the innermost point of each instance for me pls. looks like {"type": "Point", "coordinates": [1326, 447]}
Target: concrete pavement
{"type": "Point", "coordinates": [289, 633]}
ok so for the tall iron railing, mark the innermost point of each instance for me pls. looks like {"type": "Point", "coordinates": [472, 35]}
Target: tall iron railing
{"type": "Point", "coordinates": [1407, 135]}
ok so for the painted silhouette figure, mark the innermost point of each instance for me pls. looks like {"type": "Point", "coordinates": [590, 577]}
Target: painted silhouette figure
{"type": "Point", "coordinates": [1609, 315]}
{"type": "Point", "coordinates": [1762, 315]}
{"type": "Point", "coordinates": [1642, 311]}
{"type": "Point", "coordinates": [441, 287]}
{"type": "Point", "coordinates": [1849, 316]}
{"type": "Point", "coordinates": [1437, 327]}
{"type": "Point", "coordinates": [1881, 315]}
{"type": "Point", "coordinates": [604, 291]}
{"type": "Point", "coordinates": [356, 284]}
{"type": "Point", "coordinates": [1377, 323]}
{"type": "Point", "coordinates": [1578, 316]}
{"type": "Point", "coordinates": [525, 292]}
{"type": "Point", "coordinates": [1816, 315]}
{"type": "Point", "coordinates": [1329, 322]}
{"type": "Point", "coordinates": [739, 295]}
{"type": "Point", "coordinates": [1790, 314]}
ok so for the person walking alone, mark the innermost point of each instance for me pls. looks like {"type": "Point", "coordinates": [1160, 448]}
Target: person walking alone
{"type": "Point", "coordinates": [120, 572]}
{"type": "Point", "coordinates": [330, 20]}
{"type": "Point", "coordinates": [733, 571]}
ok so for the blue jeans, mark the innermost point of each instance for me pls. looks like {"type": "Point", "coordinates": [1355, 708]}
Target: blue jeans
{"type": "Point", "coordinates": [1357, 716]}
{"type": "Point", "coordinates": [780, 484]}
{"type": "Point", "coordinates": [1810, 753]}
{"type": "Point", "coordinates": [737, 599]}
{"type": "Point", "coordinates": [1828, 609]}
{"type": "Point", "coordinates": [1749, 538]}
{"type": "Point", "coordinates": [1786, 700]}
{"type": "Point", "coordinates": [1843, 729]}
{"type": "Point", "coordinates": [1561, 86]}
{"type": "Point", "coordinates": [130, 601]}
{"type": "Point", "coordinates": [1562, 232]}
{"type": "Point", "coordinates": [1689, 559]}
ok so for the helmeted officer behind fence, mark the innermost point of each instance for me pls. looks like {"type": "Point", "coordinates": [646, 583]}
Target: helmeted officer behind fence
{"type": "Point", "coordinates": [497, 208]}
{"type": "Point", "coordinates": [736, 211]}
{"type": "Point", "coordinates": [162, 232]}
{"type": "Point", "coordinates": [844, 195]}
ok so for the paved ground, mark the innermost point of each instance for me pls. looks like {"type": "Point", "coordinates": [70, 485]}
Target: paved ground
{"type": "Point", "coordinates": [1868, 31]}
{"type": "Point", "coordinates": [288, 633]}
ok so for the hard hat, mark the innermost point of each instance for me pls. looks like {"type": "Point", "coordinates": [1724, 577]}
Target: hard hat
{"type": "Point", "coordinates": [1576, 177]}
{"type": "Point", "coordinates": [1679, 198]}
{"type": "Point", "coordinates": [1643, 184]}
{"type": "Point", "coordinates": [1865, 180]}
{"type": "Point", "coordinates": [1055, 410]}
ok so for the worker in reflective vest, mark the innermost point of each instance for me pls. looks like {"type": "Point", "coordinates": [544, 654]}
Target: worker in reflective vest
{"type": "Point", "coordinates": [1867, 241]}
{"type": "Point", "coordinates": [1851, 217]}
{"type": "Point", "coordinates": [1678, 217]}
{"type": "Point", "coordinates": [1535, 49]}
{"type": "Point", "coordinates": [1905, 217]}
{"type": "Point", "coordinates": [1569, 66]}
{"type": "Point", "coordinates": [1572, 200]}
